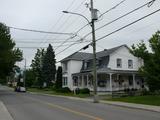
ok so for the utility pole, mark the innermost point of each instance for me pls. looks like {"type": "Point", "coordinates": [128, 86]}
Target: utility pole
{"type": "Point", "coordinates": [95, 99]}
{"type": "Point", "coordinates": [24, 73]}
{"type": "Point", "coordinates": [93, 18]}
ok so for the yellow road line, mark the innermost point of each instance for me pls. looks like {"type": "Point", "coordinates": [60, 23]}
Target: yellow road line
{"type": "Point", "coordinates": [67, 109]}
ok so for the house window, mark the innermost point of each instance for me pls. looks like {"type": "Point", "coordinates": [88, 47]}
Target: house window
{"type": "Point", "coordinates": [119, 63]}
{"type": "Point", "coordinates": [130, 80]}
{"type": "Point", "coordinates": [130, 63]}
{"type": "Point", "coordinates": [85, 65]}
{"type": "Point", "coordinates": [65, 81]}
{"type": "Point", "coordinates": [65, 66]}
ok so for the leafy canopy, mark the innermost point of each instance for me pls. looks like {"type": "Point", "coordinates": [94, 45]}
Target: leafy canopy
{"type": "Point", "coordinates": [151, 68]}
{"type": "Point", "coordinates": [8, 54]}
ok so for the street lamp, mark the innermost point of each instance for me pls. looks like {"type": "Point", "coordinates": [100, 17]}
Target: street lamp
{"type": "Point", "coordinates": [93, 18]}
{"type": "Point", "coordinates": [77, 14]}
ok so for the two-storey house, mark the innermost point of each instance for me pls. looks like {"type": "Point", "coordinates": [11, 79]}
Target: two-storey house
{"type": "Point", "coordinates": [117, 69]}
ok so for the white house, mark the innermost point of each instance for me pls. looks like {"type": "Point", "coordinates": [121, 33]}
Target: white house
{"type": "Point", "coordinates": [117, 69]}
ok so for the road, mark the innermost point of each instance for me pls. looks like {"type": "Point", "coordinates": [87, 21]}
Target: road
{"type": "Point", "coordinates": [26, 106]}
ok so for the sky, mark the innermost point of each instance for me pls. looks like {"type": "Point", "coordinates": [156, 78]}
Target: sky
{"type": "Point", "coordinates": [46, 15]}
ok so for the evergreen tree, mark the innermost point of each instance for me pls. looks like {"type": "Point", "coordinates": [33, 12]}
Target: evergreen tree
{"type": "Point", "coordinates": [8, 54]}
{"type": "Point", "coordinates": [37, 67]}
{"type": "Point", "coordinates": [59, 78]}
{"type": "Point", "coordinates": [151, 68]}
{"type": "Point", "coordinates": [30, 78]}
{"type": "Point", "coordinates": [48, 66]}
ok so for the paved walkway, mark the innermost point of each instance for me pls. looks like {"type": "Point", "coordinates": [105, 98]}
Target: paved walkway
{"type": "Point", "coordinates": [4, 114]}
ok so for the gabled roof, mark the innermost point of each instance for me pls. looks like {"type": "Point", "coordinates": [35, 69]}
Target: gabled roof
{"type": "Point", "coordinates": [107, 52]}
{"type": "Point", "coordinates": [87, 56]}
{"type": "Point", "coordinates": [77, 56]}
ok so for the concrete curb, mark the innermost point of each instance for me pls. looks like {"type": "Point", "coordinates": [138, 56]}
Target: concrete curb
{"type": "Point", "coordinates": [120, 104]}
{"type": "Point", "coordinates": [4, 114]}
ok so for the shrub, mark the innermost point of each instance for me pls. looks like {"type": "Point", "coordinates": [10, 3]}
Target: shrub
{"type": "Point", "coordinates": [84, 91]}
{"type": "Point", "coordinates": [145, 92]}
{"type": "Point", "coordinates": [63, 90]}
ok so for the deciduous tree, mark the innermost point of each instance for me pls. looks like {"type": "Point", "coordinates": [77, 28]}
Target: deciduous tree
{"type": "Point", "coordinates": [151, 68]}
{"type": "Point", "coordinates": [9, 55]}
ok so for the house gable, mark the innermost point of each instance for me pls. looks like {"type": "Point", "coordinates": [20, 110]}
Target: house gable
{"type": "Point", "coordinates": [124, 57]}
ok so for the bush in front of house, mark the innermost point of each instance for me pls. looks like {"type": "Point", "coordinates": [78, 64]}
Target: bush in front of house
{"type": "Point", "coordinates": [84, 91]}
{"type": "Point", "coordinates": [63, 90]}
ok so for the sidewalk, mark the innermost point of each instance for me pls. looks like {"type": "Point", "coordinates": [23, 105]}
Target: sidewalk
{"type": "Point", "coordinates": [134, 106]}
{"type": "Point", "coordinates": [4, 114]}
{"type": "Point", "coordinates": [121, 104]}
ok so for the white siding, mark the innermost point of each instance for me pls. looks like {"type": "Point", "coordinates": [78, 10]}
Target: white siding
{"type": "Point", "coordinates": [124, 54]}
{"type": "Point", "coordinates": [73, 67]}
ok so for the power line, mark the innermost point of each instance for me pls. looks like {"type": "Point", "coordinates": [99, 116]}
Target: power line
{"type": "Point", "coordinates": [112, 8]}
{"type": "Point", "coordinates": [68, 19]}
{"type": "Point", "coordinates": [146, 4]}
{"type": "Point", "coordinates": [129, 24]}
{"type": "Point", "coordinates": [86, 46]}
{"type": "Point", "coordinates": [102, 15]}
{"type": "Point", "coordinates": [67, 48]}
{"type": "Point", "coordinates": [60, 18]}
{"type": "Point", "coordinates": [35, 47]}
{"type": "Point", "coordinates": [44, 42]}
{"type": "Point", "coordinates": [99, 16]}
{"type": "Point", "coordinates": [40, 31]}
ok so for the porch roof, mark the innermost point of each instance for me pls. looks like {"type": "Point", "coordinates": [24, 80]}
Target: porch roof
{"type": "Point", "coordinates": [107, 71]}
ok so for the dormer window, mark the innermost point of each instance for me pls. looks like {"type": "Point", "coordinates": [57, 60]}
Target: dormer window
{"type": "Point", "coordinates": [130, 63]}
{"type": "Point", "coordinates": [85, 65]}
{"type": "Point", "coordinates": [119, 63]}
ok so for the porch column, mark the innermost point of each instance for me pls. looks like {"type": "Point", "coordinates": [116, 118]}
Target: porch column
{"type": "Point", "coordinates": [87, 81]}
{"type": "Point", "coordinates": [82, 81]}
{"type": "Point", "coordinates": [110, 79]}
{"type": "Point", "coordinates": [78, 80]}
{"type": "Point", "coordinates": [134, 82]}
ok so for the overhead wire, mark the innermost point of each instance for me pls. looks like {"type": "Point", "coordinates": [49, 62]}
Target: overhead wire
{"type": "Point", "coordinates": [128, 13]}
{"type": "Point", "coordinates": [112, 8]}
{"type": "Point", "coordinates": [39, 31]}
{"type": "Point", "coordinates": [45, 40]}
{"type": "Point", "coordinates": [46, 47]}
{"type": "Point", "coordinates": [86, 46]}
{"type": "Point", "coordinates": [99, 16]}
{"type": "Point", "coordinates": [146, 4]}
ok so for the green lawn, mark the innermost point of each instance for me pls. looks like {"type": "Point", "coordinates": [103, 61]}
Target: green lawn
{"type": "Point", "coordinates": [51, 92]}
{"type": "Point", "coordinates": [148, 99]}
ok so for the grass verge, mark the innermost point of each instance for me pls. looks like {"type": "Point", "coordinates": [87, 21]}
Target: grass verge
{"type": "Point", "coordinates": [52, 92]}
{"type": "Point", "coordinates": [147, 100]}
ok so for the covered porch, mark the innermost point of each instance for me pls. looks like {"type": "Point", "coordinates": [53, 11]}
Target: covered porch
{"type": "Point", "coordinates": [109, 81]}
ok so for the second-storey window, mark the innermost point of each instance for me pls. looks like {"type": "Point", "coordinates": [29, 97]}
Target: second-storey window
{"type": "Point", "coordinates": [119, 63]}
{"type": "Point", "coordinates": [130, 63]}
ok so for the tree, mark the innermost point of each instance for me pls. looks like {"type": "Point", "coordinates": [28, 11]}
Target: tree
{"type": "Point", "coordinates": [59, 78]}
{"type": "Point", "coordinates": [30, 78]}
{"type": "Point", "coordinates": [151, 68]}
{"type": "Point", "coordinates": [8, 54]}
{"type": "Point", "coordinates": [48, 66]}
{"type": "Point", "coordinates": [37, 67]}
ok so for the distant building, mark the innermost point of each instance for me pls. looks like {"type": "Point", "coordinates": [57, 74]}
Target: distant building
{"type": "Point", "coordinates": [117, 69]}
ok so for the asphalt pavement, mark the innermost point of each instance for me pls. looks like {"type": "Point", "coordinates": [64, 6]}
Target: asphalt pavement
{"type": "Point", "coordinates": [26, 106]}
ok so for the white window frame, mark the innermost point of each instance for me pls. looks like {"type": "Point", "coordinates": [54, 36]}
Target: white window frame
{"type": "Point", "coordinates": [130, 64]}
{"type": "Point", "coordinates": [119, 65]}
